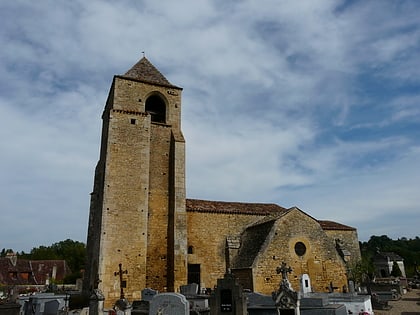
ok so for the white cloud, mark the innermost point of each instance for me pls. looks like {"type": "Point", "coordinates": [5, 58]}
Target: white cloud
{"type": "Point", "coordinates": [293, 102]}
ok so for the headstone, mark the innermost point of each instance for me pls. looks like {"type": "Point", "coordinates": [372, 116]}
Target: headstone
{"type": "Point", "coordinates": [228, 297]}
{"type": "Point", "coordinates": [351, 287]}
{"type": "Point", "coordinates": [10, 309]}
{"type": "Point", "coordinates": [148, 294]}
{"type": "Point", "coordinates": [169, 304]}
{"type": "Point", "coordinates": [79, 285]}
{"type": "Point", "coordinates": [33, 307]}
{"type": "Point", "coordinates": [305, 284]}
{"type": "Point", "coordinates": [123, 307]}
{"type": "Point", "coordinates": [189, 289]}
{"type": "Point", "coordinates": [96, 302]}
{"type": "Point", "coordinates": [258, 299]}
{"type": "Point", "coordinates": [51, 307]}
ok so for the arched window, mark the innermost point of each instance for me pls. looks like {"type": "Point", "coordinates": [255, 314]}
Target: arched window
{"type": "Point", "coordinates": [156, 107]}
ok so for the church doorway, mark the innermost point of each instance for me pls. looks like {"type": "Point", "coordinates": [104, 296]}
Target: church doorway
{"type": "Point", "coordinates": [194, 273]}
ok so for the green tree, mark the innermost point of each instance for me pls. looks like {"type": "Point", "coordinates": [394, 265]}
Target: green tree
{"type": "Point", "coordinates": [396, 271]}
{"type": "Point", "coordinates": [73, 252]}
{"type": "Point", "coordinates": [5, 251]}
{"type": "Point", "coordinates": [408, 249]}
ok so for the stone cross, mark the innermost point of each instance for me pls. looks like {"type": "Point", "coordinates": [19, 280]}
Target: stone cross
{"type": "Point", "coordinates": [120, 273]}
{"type": "Point", "coordinates": [284, 270]}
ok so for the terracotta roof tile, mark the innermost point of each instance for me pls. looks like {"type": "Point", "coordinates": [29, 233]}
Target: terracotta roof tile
{"type": "Point", "coordinates": [196, 205]}
{"type": "Point", "coordinates": [331, 225]}
{"type": "Point", "coordinates": [24, 271]}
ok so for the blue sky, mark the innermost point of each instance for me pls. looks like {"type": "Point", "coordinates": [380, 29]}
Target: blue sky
{"type": "Point", "coordinates": [314, 104]}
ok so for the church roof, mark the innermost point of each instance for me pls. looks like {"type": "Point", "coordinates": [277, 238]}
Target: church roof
{"type": "Point", "coordinates": [196, 205]}
{"type": "Point", "coordinates": [252, 241]}
{"type": "Point", "coordinates": [331, 225]}
{"type": "Point", "coordinates": [145, 71]}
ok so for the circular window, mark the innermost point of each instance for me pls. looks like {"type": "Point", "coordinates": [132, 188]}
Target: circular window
{"type": "Point", "coordinates": [300, 249]}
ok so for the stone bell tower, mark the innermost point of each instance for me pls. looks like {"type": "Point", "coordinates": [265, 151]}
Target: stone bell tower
{"type": "Point", "coordinates": [137, 211]}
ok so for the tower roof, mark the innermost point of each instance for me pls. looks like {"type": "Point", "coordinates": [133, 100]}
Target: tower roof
{"type": "Point", "coordinates": [144, 71]}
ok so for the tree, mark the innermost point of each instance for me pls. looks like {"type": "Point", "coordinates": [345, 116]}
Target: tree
{"type": "Point", "coordinates": [73, 252]}
{"type": "Point", "coordinates": [396, 271]}
{"type": "Point", "coordinates": [5, 251]}
{"type": "Point", "coordinates": [408, 249]}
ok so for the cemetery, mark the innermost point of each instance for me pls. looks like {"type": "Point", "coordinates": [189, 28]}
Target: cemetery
{"type": "Point", "coordinates": [227, 297]}
{"type": "Point", "coordinates": [153, 251]}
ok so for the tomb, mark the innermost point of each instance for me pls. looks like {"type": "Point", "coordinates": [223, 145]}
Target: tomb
{"type": "Point", "coordinates": [169, 304]}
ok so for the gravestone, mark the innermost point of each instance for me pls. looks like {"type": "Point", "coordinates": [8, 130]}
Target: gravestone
{"type": "Point", "coordinates": [189, 289]}
{"type": "Point", "coordinates": [33, 306]}
{"type": "Point", "coordinates": [51, 307]}
{"type": "Point", "coordinates": [305, 284]}
{"type": "Point", "coordinates": [351, 287]}
{"type": "Point", "coordinates": [96, 302]}
{"type": "Point", "coordinates": [10, 309]}
{"type": "Point", "coordinates": [169, 304]}
{"type": "Point", "coordinates": [148, 294]}
{"type": "Point", "coordinates": [228, 297]}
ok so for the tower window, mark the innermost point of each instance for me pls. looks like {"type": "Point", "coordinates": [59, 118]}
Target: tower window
{"type": "Point", "coordinates": [190, 250]}
{"type": "Point", "coordinates": [132, 121]}
{"type": "Point", "coordinates": [156, 107]}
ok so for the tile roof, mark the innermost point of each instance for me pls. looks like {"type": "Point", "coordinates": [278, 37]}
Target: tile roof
{"type": "Point", "coordinates": [145, 71]}
{"type": "Point", "coordinates": [331, 225]}
{"type": "Point", "coordinates": [197, 205]}
{"type": "Point", "coordinates": [24, 271]}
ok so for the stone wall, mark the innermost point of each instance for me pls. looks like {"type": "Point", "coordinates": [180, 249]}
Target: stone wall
{"type": "Point", "coordinates": [207, 234]}
{"type": "Point", "coordinates": [130, 207]}
{"type": "Point", "coordinates": [320, 259]}
{"type": "Point", "coordinates": [350, 242]}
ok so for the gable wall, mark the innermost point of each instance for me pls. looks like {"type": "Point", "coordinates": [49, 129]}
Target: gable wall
{"type": "Point", "coordinates": [321, 260]}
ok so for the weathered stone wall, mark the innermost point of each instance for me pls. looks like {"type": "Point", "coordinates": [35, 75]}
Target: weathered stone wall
{"type": "Point", "coordinates": [207, 234]}
{"type": "Point", "coordinates": [129, 218]}
{"type": "Point", "coordinates": [320, 261]}
{"type": "Point", "coordinates": [350, 242]}
{"type": "Point", "coordinates": [125, 204]}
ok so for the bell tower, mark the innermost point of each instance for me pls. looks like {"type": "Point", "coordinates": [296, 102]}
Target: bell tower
{"type": "Point", "coordinates": [137, 210]}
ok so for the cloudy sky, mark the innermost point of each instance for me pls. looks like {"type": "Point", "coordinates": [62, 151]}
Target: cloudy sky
{"type": "Point", "coordinates": [314, 104]}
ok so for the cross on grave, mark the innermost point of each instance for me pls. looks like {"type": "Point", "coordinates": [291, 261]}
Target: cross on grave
{"type": "Point", "coordinates": [331, 288]}
{"type": "Point", "coordinates": [284, 270]}
{"type": "Point", "coordinates": [123, 283]}
{"type": "Point", "coordinates": [285, 298]}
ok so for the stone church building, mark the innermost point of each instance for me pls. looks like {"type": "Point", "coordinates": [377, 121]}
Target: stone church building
{"type": "Point", "coordinates": [144, 233]}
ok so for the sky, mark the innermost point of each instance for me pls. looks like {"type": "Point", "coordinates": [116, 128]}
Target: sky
{"type": "Point", "coordinates": [314, 104]}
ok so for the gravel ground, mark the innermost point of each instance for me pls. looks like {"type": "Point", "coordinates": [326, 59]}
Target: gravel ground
{"type": "Point", "coordinates": [409, 304]}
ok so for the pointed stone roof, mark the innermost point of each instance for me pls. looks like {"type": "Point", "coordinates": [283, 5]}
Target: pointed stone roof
{"type": "Point", "coordinates": [145, 71]}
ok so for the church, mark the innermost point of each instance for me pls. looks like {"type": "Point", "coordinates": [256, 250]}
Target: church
{"type": "Point", "coordinates": [144, 233]}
